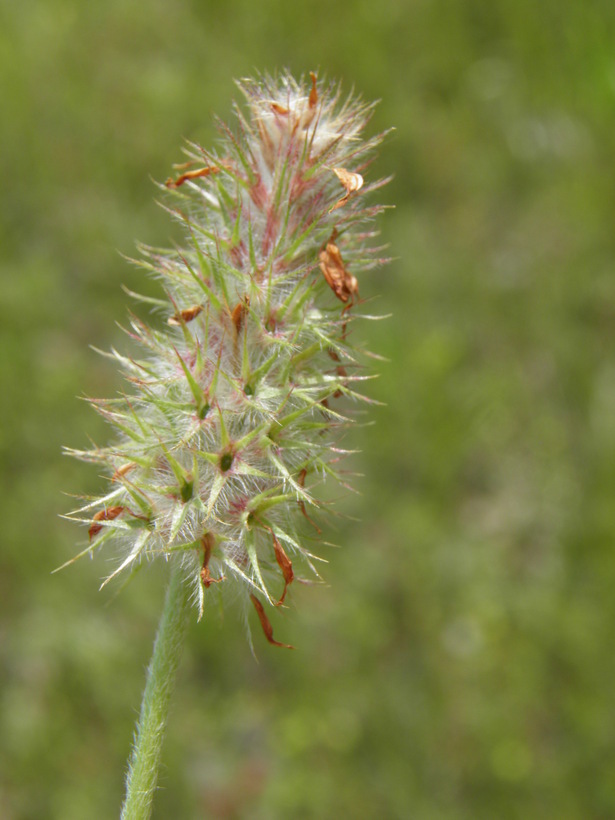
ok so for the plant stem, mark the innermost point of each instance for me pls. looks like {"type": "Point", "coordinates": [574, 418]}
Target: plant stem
{"type": "Point", "coordinates": [145, 757]}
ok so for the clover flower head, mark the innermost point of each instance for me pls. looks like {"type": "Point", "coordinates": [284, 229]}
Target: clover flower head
{"type": "Point", "coordinates": [238, 403]}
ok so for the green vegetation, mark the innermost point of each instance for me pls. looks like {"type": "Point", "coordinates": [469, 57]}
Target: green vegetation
{"type": "Point", "coordinates": [459, 664]}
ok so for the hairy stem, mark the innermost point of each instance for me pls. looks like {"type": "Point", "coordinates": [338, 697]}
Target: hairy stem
{"type": "Point", "coordinates": [145, 757]}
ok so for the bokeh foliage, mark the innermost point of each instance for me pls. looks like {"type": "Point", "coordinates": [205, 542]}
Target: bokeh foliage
{"type": "Point", "coordinates": [460, 663]}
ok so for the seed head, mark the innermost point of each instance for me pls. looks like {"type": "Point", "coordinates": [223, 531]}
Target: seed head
{"type": "Point", "coordinates": [237, 407]}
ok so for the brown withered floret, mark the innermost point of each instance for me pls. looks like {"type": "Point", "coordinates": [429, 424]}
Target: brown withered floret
{"type": "Point", "coordinates": [266, 625]}
{"type": "Point", "coordinates": [123, 470]}
{"type": "Point", "coordinates": [351, 181]}
{"type": "Point", "coordinates": [186, 315]}
{"type": "Point", "coordinates": [285, 565]}
{"type": "Point", "coordinates": [343, 284]}
{"type": "Point", "coordinates": [108, 514]}
{"type": "Point", "coordinates": [195, 174]}
{"type": "Point", "coordinates": [207, 580]}
{"type": "Point", "coordinates": [306, 118]}
{"type": "Point", "coordinates": [313, 99]}
{"type": "Point", "coordinates": [239, 313]}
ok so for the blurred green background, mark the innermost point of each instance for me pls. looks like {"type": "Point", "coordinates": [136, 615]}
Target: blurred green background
{"type": "Point", "coordinates": [461, 663]}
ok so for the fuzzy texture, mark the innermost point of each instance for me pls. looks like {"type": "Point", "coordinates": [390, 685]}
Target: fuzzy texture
{"type": "Point", "coordinates": [237, 410]}
{"type": "Point", "coordinates": [144, 762]}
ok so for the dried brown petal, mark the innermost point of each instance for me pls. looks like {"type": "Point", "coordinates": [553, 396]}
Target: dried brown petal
{"type": "Point", "coordinates": [285, 565]}
{"type": "Point", "coordinates": [341, 282]}
{"type": "Point", "coordinates": [107, 514]}
{"type": "Point", "coordinates": [207, 542]}
{"type": "Point", "coordinates": [266, 625]}
{"type": "Point", "coordinates": [186, 315]}
{"type": "Point", "coordinates": [121, 471]}
{"type": "Point", "coordinates": [351, 181]}
{"type": "Point", "coordinates": [308, 115]}
{"type": "Point", "coordinates": [313, 92]}
{"type": "Point", "coordinates": [238, 314]}
{"type": "Point", "coordinates": [198, 172]}
{"type": "Point", "coordinates": [279, 109]}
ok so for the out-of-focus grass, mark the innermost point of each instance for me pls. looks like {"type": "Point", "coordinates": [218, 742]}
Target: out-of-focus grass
{"type": "Point", "coordinates": [460, 664]}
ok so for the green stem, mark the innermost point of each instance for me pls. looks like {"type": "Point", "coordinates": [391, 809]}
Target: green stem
{"type": "Point", "coordinates": [145, 757]}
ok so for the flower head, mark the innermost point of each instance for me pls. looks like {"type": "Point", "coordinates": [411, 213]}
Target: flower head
{"type": "Point", "coordinates": [236, 409]}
